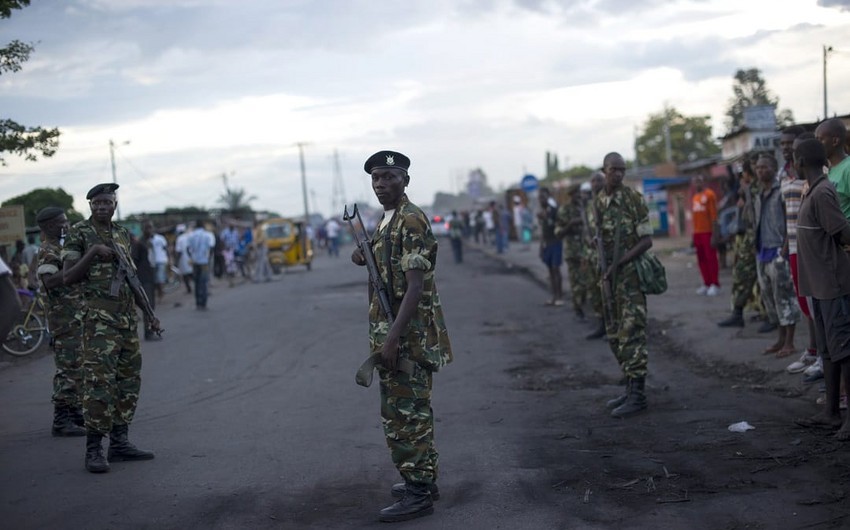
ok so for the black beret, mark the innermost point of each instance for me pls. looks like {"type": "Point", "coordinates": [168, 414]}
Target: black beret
{"type": "Point", "coordinates": [48, 213]}
{"type": "Point", "coordinates": [109, 187]}
{"type": "Point", "coordinates": [386, 159]}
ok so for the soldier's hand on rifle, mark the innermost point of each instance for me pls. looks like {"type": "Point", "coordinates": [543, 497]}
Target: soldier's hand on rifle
{"type": "Point", "coordinates": [101, 251]}
{"type": "Point", "coordinates": [357, 257]}
{"type": "Point", "coordinates": [389, 353]}
{"type": "Point", "coordinates": [609, 273]}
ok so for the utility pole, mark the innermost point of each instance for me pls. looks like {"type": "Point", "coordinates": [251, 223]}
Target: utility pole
{"type": "Point", "coordinates": [668, 147]}
{"type": "Point", "coordinates": [826, 50]}
{"type": "Point", "coordinates": [304, 182]}
{"type": "Point", "coordinates": [114, 181]}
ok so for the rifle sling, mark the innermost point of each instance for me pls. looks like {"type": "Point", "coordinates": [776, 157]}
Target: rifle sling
{"type": "Point", "coordinates": [364, 374]}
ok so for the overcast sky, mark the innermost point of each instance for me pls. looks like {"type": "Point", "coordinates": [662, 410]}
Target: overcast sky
{"type": "Point", "coordinates": [204, 87]}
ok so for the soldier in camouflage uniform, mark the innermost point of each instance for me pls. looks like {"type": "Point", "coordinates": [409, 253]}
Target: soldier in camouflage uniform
{"type": "Point", "coordinates": [623, 221]}
{"type": "Point", "coordinates": [63, 303]}
{"type": "Point", "coordinates": [112, 361]}
{"type": "Point", "coordinates": [594, 290]}
{"type": "Point", "coordinates": [569, 226]}
{"type": "Point", "coordinates": [744, 273]}
{"type": "Point", "coordinates": [405, 251]}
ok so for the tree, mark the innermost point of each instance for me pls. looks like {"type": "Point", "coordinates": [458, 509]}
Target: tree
{"type": "Point", "coordinates": [235, 200]}
{"type": "Point", "coordinates": [690, 138]}
{"type": "Point", "coordinates": [37, 199]}
{"type": "Point", "coordinates": [15, 138]}
{"type": "Point", "coordinates": [749, 89]}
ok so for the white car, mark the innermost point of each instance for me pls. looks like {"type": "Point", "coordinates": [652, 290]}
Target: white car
{"type": "Point", "coordinates": [440, 225]}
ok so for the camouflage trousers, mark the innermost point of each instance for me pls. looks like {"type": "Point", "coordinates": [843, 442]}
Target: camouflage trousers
{"type": "Point", "coordinates": [594, 286]}
{"type": "Point", "coordinates": [628, 339]}
{"type": "Point", "coordinates": [68, 379]}
{"type": "Point", "coordinates": [408, 423]}
{"type": "Point", "coordinates": [112, 365]}
{"type": "Point", "coordinates": [577, 275]}
{"type": "Point", "coordinates": [777, 292]}
{"type": "Point", "coordinates": [744, 273]}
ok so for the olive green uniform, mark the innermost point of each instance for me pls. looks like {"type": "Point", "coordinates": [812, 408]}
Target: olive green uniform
{"type": "Point", "coordinates": [112, 359]}
{"type": "Point", "coordinates": [569, 226]}
{"type": "Point", "coordinates": [407, 243]}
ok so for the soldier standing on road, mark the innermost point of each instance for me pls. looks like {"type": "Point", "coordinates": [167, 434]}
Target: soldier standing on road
{"type": "Point", "coordinates": [406, 254]}
{"type": "Point", "coordinates": [569, 226]}
{"type": "Point", "coordinates": [112, 360]}
{"type": "Point", "coordinates": [594, 290]}
{"type": "Point", "coordinates": [626, 234]}
{"type": "Point", "coordinates": [63, 306]}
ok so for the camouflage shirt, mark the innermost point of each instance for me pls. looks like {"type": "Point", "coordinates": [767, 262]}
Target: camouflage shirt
{"type": "Point", "coordinates": [569, 226]}
{"type": "Point", "coordinates": [117, 311]}
{"type": "Point", "coordinates": [63, 301]}
{"type": "Point", "coordinates": [626, 211]}
{"type": "Point", "coordinates": [407, 243]}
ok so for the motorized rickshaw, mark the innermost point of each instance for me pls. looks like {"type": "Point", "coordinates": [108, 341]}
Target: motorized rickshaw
{"type": "Point", "coordinates": [288, 243]}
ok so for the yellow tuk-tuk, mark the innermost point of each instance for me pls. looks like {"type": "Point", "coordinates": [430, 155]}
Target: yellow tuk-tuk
{"type": "Point", "coordinates": [288, 243]}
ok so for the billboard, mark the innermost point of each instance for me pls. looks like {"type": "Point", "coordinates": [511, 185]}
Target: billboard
{"type": "Point", "coordinates": [12, 226]}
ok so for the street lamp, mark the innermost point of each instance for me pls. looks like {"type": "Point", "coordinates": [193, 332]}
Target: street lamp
{"type": "Point", "coordinates": [112, 159]}
{"type": "Point", "coordinates": [826, 50]}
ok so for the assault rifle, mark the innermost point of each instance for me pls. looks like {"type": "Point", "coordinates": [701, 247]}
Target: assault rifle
{"type": "Point", "coordinates": [602, 262]}
{"type": "Point", "coordinates": [363, 242]}
{"type": "Point", "coordinates": [126, 272]}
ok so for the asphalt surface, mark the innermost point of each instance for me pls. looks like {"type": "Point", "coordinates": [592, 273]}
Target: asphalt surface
{"type": "Point", "coordinates": [252, 411]}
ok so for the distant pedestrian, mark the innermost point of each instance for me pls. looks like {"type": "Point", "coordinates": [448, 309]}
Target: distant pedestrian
{"type": "Point", "coordinates": [456, 236]}
{"type": "Point", "coordinates": [704, 211]}
{"type": "Point", "coordinates": [142, 251]}
{"type": "Point", "coordinates": [623, 224]}
{"type": "Point", "coordinates": [774, 272]}
{"type": "Point", "coordinates": [489, 231]}
{"type": "Point", "coordinates": [10, 302]}
{"type": "Point", "coordinates": [262, 268]}
{"type": "Point", "coordinates": [184, 262]}
{"type": "Point", "coordinates": [551, 248]}
{"type": "Point", "coordinates": [825, 276]}
{"type": "Point", "coordinates": [64, 305]}
{"type": "Point", "coordinates": [332, 229]}
{"type": "Point", "coordinates": [478, 227]}
{"type": "Point", "coordinates": [158, 246]}
{"type": "Point", "coordinates": [200, 247]}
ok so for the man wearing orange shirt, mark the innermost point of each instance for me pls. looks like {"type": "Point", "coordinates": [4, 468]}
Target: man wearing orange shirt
{"type": "Point", "coordinates": [704, 209]}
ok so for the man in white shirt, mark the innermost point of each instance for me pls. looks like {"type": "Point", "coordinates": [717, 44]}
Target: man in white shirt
{"type": "Point", "coordinates": [332, 231]}
{"type": "Point", "coordinates": [159, 248]}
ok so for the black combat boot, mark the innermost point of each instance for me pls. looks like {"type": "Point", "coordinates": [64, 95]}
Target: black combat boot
{"type": "Point", "coordinates": [736, 320]}
{"type": "Point", "coordinates": [397, 490]}
{"type": "Point", "coordinates": [597, 333]}
{"type": "Point", "coordinates": [76, 414]}
{"type": "Point", "coordinates": [95, 461]}
{"type": "Point", "coordinates": [63, 424]}
{"type": "Point", "coordinates": [416, 502]}
{"type": "Point", "coordinates": [635, 402]}
{"type": "Point", "coordinates": [617, 401]}
{"type": "Point", "coordinates": [120, 448]}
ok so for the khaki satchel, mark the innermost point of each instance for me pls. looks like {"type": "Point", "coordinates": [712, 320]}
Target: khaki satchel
{"type": "Point", "coordinates": [651, 273]}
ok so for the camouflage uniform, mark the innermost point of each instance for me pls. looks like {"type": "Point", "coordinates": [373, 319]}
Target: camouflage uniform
{"type": "Point", "coordinates": [406, 243]}
{"type": "Point", "coordinates": [591, 258]}
{"type": "Point", "coordinates": [63, 306]}
{"type": "Point", "coordinates": [744, 271]}
{"type": "Point", "coordinates": [626, 211]}
{"type": "Point", "coordinates": [112, 359]}
{"type": "Point", "coordinates": [574, 248]}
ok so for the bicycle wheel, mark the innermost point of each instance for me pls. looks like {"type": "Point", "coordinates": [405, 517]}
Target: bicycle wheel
{"type": "Point", "coordinates": [26, 336]}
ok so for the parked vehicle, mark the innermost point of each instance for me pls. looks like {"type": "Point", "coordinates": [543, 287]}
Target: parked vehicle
{"type": "Point", "coordinates": [288, 243]}
{"type": "Point", "coordinates": [440, 225]}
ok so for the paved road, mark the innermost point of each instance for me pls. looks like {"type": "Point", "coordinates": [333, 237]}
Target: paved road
{"type": "Point", "coordinates": [256, 422]}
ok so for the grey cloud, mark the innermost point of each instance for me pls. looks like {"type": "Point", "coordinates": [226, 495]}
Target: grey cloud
{"type": "Point", "coordinates": [843, 5]}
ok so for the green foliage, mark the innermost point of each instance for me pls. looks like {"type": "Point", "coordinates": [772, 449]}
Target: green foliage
{"type": "Point", "coordinates": [235, 200]}
{"type": "Point", "coordinates": [749, 89]}
{"type": "Point", "coordinates": [37, 199]}
{"type": "Point", "coordinates": [690, 138]}
{"type": "Point", "coordinates": [15, 138]}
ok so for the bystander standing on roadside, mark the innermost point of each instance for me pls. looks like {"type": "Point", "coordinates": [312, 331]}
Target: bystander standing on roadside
{"type": "Point", "coordinates": [551, 247]}
{"type": "Point", "coordinates": [262, 269]}
{"type": "Point", "coordinates": [10, 303]}
{"type": "Point", "coordinates": [456, 236]}
{"type": "Point", "coordinates": [332, 235]}
{"type": "Point", "coordinates": [774, 272]}
{"type": "Point", "coordinates": [184, 262]}
{"type": "Point", "coordinates": [825, 277]}
{"type": "Point", "coordinates": [142, 251]}
{"type": "Point", "coordinates": [158, 245]}
{"type": "Point", "coordinates": [704, 211]}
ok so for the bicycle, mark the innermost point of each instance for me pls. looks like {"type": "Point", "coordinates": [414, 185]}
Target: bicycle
{"type": "Point", "coordinates": [31, 330]}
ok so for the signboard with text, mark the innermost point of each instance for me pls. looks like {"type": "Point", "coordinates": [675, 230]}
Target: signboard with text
{"type": "Point", "coordinates": [12, 226]}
